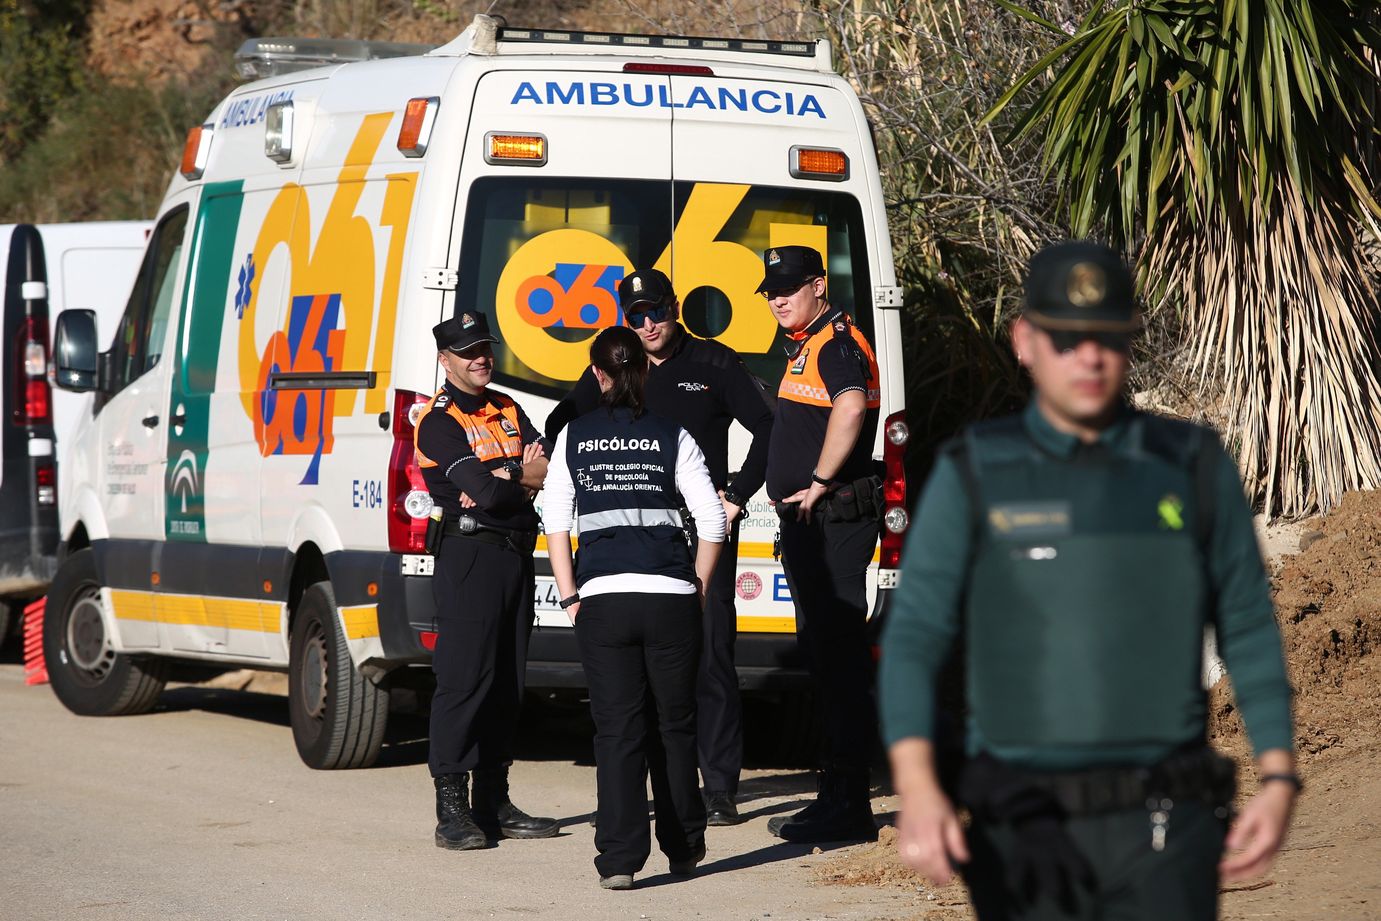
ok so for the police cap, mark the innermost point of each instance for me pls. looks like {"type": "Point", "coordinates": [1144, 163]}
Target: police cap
{"type": "Point", "coordinates": [789, 267]}
{"type": "Point", "coordinates": [645, 286]}
{"type": "Point", "coordinates": [460, 332]}
{"type": "Point", "coordinates": [1081, 286]}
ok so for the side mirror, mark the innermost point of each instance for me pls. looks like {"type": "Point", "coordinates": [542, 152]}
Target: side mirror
{"type": "Point", "coordinates": [74, 351]}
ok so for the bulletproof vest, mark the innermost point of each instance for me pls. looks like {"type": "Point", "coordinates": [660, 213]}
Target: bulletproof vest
{"type": "Point", "coordinates": [1088, 592]}
{"type": "Point", "coordinates": [627, 506]}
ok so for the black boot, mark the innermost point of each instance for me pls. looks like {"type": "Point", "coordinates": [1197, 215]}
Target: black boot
{"type": "Point", "coordinates": [846, 815]}
{"type": "Point", "coordinates": [824, 792]}
{"type": "Point", "coordinates": [497, 815]}
{"type": "Point", "coordinates": [455, 824]}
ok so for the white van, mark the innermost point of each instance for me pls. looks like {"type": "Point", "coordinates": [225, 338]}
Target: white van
{"type": "Point", "coordinates": [44, 268]}
{"type": "Point", "coordinates": [247, 492]}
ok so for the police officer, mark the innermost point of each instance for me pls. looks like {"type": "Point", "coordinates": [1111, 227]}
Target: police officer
{"type": "Point", "coordinates": [702, 385]}
{"type": "Point", "coordinates": [482, 461]}
{"type": "Point", "coordinates": [821, 475]}
{"type": "Point", "coordinates": [620, 474]}
{"type": "Point", "coordinates": [1082, 548]}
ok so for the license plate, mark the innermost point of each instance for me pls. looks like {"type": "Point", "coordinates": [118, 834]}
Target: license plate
{"type": "Point", "coordinates": [548, 596]}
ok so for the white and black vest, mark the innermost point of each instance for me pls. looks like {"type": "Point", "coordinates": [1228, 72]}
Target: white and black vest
{"type": "Point", "coordinates": [627, 505]}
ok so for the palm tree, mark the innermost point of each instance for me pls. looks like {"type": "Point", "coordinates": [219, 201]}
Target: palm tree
{"type": "Point", "coordinates": [1233, 142]}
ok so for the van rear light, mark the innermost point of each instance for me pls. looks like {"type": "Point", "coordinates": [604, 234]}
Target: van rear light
{"type": "Point", "coordinates": [46, 483]}
{"type": "Point", "coordinates": [689, 70]}
{"type": "Point", "coordinates": [409, 503]}
{"type": "Point", "coordinates": [515, 149]}
{"type": "Point", "coordinates": [33, 396]}
{"type": "Point", "coordinates": [416, 131]}
{"type": "Point", "coordinates": [428, 638]}
{"type": "Point", "coordinates": [818, 163]}
{"type": "Point", "coordinates": [895, 518]}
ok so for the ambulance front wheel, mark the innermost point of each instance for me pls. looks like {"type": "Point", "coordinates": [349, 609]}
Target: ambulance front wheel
{"type": "Point", "coordinates": [87, 674]}
{"type": "Point", "coordinates": [338, 715]}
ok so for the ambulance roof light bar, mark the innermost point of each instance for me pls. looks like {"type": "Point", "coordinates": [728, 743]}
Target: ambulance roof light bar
{"type": "Point", "coordinates": [488, 34]}
{"type": "Point", "coordinates": [618, 39]}
{"type": "Point", "coordinates": [268, 57]}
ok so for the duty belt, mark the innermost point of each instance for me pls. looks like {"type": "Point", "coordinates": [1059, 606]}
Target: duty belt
{"type": "Point", "coordinates": [520, 541]}
{"type": "Point", "coordinates": [991, 787]}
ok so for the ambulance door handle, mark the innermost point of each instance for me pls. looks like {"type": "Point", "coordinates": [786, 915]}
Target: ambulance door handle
{"type": "Point", "coordinates": [150, 421]}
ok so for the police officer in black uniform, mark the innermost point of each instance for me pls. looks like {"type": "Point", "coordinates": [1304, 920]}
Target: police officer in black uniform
{"type": "Point", "coordinates": [821, 475]}
{"type": "Point", "coordinates": [703, 386]}
{"type": "Point", "coordinates": [1082, 548]}
{"type": "Point", "coordinates": [483, 462]}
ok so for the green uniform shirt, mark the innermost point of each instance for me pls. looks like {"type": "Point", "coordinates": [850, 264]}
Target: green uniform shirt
{"type": "Point", "coordinates": [1229, 589]}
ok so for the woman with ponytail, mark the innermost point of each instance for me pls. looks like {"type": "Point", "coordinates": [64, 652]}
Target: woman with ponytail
{"type": "Point", "coordinates": [621, 475]}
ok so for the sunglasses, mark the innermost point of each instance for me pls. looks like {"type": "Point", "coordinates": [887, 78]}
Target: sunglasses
{"type": "Point", "coordinates": [658, 314]}
{"type": "Point", "coordinates": [785, 292]}
{"type": "Point", "coordinates": [1067, 340]}
{"type": "Point", "coordinates": [478, 350]}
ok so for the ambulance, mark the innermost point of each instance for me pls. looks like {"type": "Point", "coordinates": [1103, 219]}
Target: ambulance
{"type": "Point", "coordinates": [246, 491]}
{"type": "Point", "coordinates": [44, 267]}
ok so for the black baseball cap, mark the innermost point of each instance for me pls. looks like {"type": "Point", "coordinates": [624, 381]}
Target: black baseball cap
{"type": "Point", "coordinates": [645, 286]}
{"type": "Point", "coordinates": [460, 332]}
{"type": "Point", "coordinates": [789, 267]}
{"type": "Point", "coordinates": [1081, 286]}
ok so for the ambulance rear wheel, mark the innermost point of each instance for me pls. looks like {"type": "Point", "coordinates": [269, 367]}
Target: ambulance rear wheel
{"type": "Point", "coordinates": [87, 674]}
{"type": "Point", "coordinates": [338, 715]}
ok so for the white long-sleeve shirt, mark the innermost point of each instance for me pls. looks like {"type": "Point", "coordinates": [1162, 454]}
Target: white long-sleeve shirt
{"type": "Point", "coordinates": [692, 481]}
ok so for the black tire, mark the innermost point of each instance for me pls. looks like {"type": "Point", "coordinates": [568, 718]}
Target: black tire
{"type": "Point", "coordinates": [338, 715]}
{"type": "Point", "coordinates": [9, 615]}
{"type": "Point", "coordinates": [89, 677]}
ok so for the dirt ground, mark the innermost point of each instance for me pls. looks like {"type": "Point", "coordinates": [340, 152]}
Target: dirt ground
{"type": "Point", "coordinates": [1327, 585]}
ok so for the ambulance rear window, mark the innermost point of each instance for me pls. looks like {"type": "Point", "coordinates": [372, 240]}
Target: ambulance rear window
{"type": "Point", "coordinates": [544, 258]}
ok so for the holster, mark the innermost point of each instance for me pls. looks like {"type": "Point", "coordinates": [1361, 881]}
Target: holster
{"type": "Point", "coordinates": [858, 500]}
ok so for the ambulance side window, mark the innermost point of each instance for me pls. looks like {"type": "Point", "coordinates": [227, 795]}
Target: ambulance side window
{"type": "Point", "coordinates": [138, 343]}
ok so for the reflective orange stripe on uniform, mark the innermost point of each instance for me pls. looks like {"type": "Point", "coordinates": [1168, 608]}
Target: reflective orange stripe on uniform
{"type": "Point", "coordinates": [802, 382]}
{"type": "Point", "coordinates": [492, 432]}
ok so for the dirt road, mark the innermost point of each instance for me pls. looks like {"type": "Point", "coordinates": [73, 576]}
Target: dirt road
{"type": "Point", "coordinates": [203, 811]}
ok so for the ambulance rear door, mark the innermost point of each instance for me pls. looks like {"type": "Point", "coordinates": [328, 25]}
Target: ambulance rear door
{"type": "Point", "coordinates": [543, 243]}
{"type": "Point", "coordinates": [762, 161]}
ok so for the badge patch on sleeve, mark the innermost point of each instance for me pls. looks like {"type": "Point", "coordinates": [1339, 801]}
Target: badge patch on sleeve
{"type": "Point", "coordinates": [1029, 520]}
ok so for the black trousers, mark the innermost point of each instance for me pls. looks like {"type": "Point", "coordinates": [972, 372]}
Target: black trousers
{"type": "Point", "coordinates": [1132, 882]}
{"type": "Point", "coordinates": [484, 614]}
{"type": "Point", "coordinates": [826, 565]}
{"type": "Point", "coordinates": [634, 647]}
{"type": "Point", "coordinates": [719, 709]}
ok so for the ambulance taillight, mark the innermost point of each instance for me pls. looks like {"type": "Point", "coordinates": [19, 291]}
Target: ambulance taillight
{"type": "Point", "coordinates": [895, 518]}
{"type": "Point", "coordinates": [33, 397]}
{"type": "Point", "coordinates": [409, 503]}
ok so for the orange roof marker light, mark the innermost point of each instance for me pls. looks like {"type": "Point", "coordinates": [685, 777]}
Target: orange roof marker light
{"type": "Point", "coordinates": [819, 163]}
{"type": "Point", "coordinates": [196, 151]}
{"type": "Point", "coordinates": [416, 131]}
{"type": "Point", "coordinates": [515, 149]}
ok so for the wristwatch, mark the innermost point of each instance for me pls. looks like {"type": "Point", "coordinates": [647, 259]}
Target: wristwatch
{"type": "Point", "coordinates": [817, 478]}
{"type": "Point", "coordinates": [1292, 779]}
{"type": "Point", "coordinates": [514, 468]}
{"type": "Point", "coordinates": [569, 600]}
{"type": "Point", "coordinates": [734, 498]}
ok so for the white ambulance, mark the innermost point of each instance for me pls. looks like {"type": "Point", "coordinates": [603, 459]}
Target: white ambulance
{"type": "Point", "coordinates": [246, 492]}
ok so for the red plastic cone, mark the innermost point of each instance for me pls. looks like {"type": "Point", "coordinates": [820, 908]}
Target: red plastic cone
{"type": "Point", "coordinates": [35, 671]}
